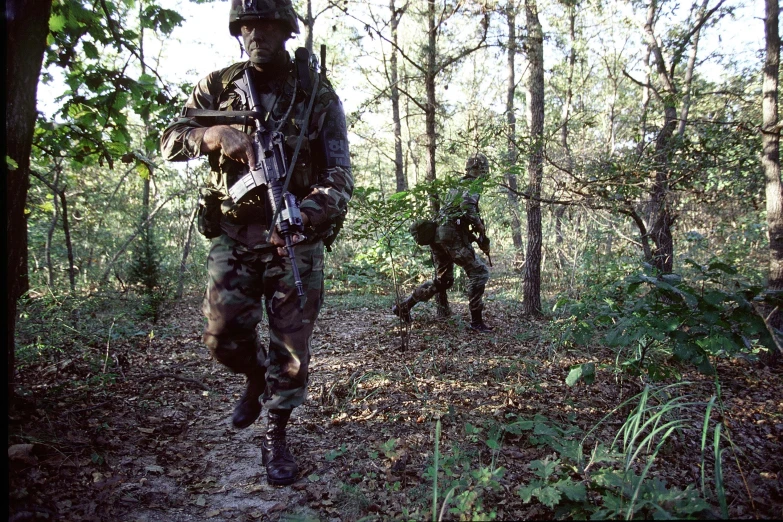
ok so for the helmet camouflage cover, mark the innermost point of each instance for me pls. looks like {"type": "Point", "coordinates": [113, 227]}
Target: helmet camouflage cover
{"type": "Point", "coordinates": [242, 10]}
{"type": "Point", "coordinates": [477, 165]}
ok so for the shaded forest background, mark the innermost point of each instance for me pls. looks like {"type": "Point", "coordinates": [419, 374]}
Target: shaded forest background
{"type": "Point", "coordinates": [634, 206]}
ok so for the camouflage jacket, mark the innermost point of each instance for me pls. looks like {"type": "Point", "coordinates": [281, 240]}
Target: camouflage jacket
{"type": "Point", "coordinates": [321, 179]}
{"type": "Point", "coordinates": [460, 207]}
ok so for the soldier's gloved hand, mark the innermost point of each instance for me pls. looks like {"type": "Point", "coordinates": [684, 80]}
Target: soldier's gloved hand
{"type": "Point", "coordinates": [277, 240]}
{"type": "Point", "coordinates": [233, 143]}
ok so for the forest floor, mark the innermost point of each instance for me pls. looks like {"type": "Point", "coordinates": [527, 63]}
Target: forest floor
{"type": "Point", "coordinates": [147, 436]}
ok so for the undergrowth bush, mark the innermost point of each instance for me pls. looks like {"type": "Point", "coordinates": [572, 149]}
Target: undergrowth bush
{"type": "Point", "coordinates": [656, 323]}
{"type": "Point", "coordinates": [583, 477]}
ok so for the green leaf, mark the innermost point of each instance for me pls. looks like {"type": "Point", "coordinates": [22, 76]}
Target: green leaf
{"type": "Point", "coordinates": [573, 490]}
{"type": "Point", "coordinates": [56, 23]}
{"type": "Point", "coordinates": [527, 492]}
{"type": "Point", "coordinates": [493, 444]}
{"type": "Point", "coordinates": [518, 427]}
{"type": "Point", "coordinates": [11, 163]}
{"type": "Point", "coordinates": [142, 170]}
{"type": "Point", "coordinates": [584, 372]}
{"type": "Point", "coordinates": [543, 468]}
{"type": "Point", "coordinates": [574, 375]}
{"type": "Point", "coordinates": [398, 196]}
{"type": "Point", "coordinates": [90, 50]}
{"type": "Point", "coordinates": [549, 496]}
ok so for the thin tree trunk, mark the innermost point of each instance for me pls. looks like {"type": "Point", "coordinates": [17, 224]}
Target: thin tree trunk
{"type": "Point", "coordinates": [559, 237]}
{"type": "Point", "coordinates": [564, 131]}
{"type": "Point", "coordinates": [770, 140]}
{"type": "Point", "coordinates": [531, 304]}
{"type": "Point", "coordinates": [50, 235]}
{"type": "Point", "coordinates": [68, 243]}
{"type": "Point", "coordinates": [402, 181]}
{"type": "Point", "coordinates": [308, 24]}
{"type": "Point", "coordinates": [429, 86]}
{"type": "Point", "coordinates": [687, 84]}
{"type": "Point", "coordinates": [511, 121]}
{"type": "Point", "coordinates": [441, 298]}
{"type": "Point", "coordinates": [645, 102]}
{"type": "Point", "coordinates": [185, 253]}
{"type": "Point", "coordinates": [661, 218]}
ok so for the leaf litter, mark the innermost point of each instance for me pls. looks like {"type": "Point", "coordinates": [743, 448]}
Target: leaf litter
{"type": "Point", "coordinates": [155, 443]}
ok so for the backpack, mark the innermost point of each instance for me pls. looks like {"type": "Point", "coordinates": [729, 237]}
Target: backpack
{"type": "Point", "coordinates": [423, 231]}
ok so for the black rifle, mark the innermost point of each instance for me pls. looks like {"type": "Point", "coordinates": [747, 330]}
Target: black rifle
{"type": "Point", "coordinates": [482, 240]}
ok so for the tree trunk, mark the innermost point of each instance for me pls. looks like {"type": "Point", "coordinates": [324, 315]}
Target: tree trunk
{"type": "Point", "coordinates": [399, 172]}
{"type": "Point", "coordinates": [770, 156]}
{"type": "Point", "coordinates": [186, 253]}
{"type": "Point", "coordinates": [27, 24]}
{"type": "Point", "coordinates": [139, 230]}
{"type": "Point", "coordinates": [308, 23]}
{"type": "Point", "coordinates": [564, 132]}
{"type": "Point", "coordinates": [429, 86]}
{"type": "Point", "coordinates": [531, 304]}
{"type": "Point", "coordinates": [68, 243]}
{"type": "Point", "coordinates": [50, 235]}
{"type": "Point", "coordinates": [645, 103]}
{"type": "Point", "coordinates": [661, 218]}
{"type": "Point", "coordinates": [441, 298]}
{"type": "Point", "coordinates": [511, 121]}
{"type": "Point", "coordinates": [686, 98]}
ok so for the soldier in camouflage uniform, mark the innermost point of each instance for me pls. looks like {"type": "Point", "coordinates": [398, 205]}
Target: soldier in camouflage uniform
{"type": "Point", "coordinates": [453, 245]}
{"type": "Point", "coordinates": [249, 271]}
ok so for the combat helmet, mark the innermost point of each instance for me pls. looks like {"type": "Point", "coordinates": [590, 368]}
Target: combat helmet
{"type": "Point", "coordinates": [477, 165]}
{"type": "Point", "coordinates": [242, 10]}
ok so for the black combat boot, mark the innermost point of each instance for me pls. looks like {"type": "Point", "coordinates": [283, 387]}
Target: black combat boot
{"type": "Point", "coordinates": [248, 408]}
{"type": "Point", "coordinates": [403, 311]}
{"type": "Point", "coordinates": [477, 323]}
{"type": "Point", "coordinates": [281, 468]}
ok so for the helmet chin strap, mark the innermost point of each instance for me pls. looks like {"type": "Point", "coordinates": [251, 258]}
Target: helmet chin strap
{"type": "Point", "coordinates": [241, 47]}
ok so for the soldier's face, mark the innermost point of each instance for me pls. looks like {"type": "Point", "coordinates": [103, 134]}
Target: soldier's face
{"type": "Point", "coordinates": [264, 38]}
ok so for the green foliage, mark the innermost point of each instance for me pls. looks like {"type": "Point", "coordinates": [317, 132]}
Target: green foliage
{"type": "Point", "coordinates": [145, 266]}
{"type": "Point", "coordinates": [92, 51]}
{"type": "Point", "coordinates": [465, 484]}
{"type": "Point", "coordinates": [581, 372]}
{"type": "Point", "coordinates": [654, 322]}
{"type": "Point", "coordinates": [614, 481]}
{"type": "Point", "coordinates": [333, 454]}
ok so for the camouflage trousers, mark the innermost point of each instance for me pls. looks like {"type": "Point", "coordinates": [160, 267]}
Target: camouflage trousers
{"type": "Point", "coordinates": [452, 248]}
{"type": "Point", "coordinates": [242, 285]}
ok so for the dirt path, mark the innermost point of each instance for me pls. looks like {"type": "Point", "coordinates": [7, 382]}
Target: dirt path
{"type": "Point", "coordinates": [157, 444]}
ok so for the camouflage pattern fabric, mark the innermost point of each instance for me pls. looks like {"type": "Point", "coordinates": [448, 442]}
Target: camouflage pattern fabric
{"type": "Point", "coordinates": [243, 284]}
{"type": "Point", "coordinates": [321, 179]}
{"type": "Point", "coordinates": [246, 275]}
{"type": "Point", "coordinates": [453, 247]}
{"type": "Point", "coordinates": [242, 10]}
{"type": "Point", "coordinates": [461, 205]}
